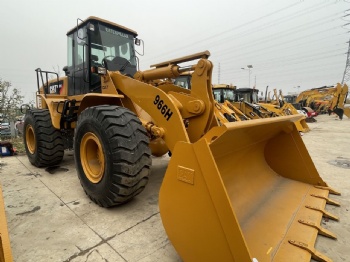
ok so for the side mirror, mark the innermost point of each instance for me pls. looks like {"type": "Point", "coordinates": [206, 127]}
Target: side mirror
{"type": "Point", "coordinates": [65, 69]}
{"type": "Point", "coordinates": [137, 41]}
{"type": "Point", "coordinates": [24, 108]}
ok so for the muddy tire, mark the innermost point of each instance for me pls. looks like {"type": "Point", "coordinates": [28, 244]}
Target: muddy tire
{"type": "Point", "coordinates": [43, 143]}
{"type": "Point", "coordinates": [111, 154]}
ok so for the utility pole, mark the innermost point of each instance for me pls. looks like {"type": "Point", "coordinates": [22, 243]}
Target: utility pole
{"type": "Point", "coordinates": [346, 76]}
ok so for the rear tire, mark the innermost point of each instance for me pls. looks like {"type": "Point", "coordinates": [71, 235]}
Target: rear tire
{"type": "Point", "coordinates": [111, 154]}
{"type": "Point", "coordinates": [43, 143]}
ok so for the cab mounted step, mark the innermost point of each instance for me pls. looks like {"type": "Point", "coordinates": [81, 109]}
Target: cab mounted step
{"type": "Point", "coordinates": [68, 114]}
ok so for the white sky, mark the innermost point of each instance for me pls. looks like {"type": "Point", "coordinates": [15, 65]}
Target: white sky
{"type": "Point", "coordinates": [289, 43]}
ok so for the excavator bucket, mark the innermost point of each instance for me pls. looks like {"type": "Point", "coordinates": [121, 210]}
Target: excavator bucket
{"type": "Point", "coordinates": [246, 191]}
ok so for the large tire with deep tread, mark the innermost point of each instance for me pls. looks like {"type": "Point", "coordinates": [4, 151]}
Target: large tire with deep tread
{"type": "Point", "coordinates": [112, 155]}
{"type": "Point", "coordinates": [43, 143]}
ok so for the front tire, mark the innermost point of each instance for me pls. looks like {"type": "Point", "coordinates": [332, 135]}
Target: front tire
{"type": "Point", "coordinates": [43, 143]}
{"type": "Point", "coordinates": [111, 154]}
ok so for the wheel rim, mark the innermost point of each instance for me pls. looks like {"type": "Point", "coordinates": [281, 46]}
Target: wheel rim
{"type": "Point", "coordinates": [30, 139]}
{"type": "Point", "coordinates": [92, 157]}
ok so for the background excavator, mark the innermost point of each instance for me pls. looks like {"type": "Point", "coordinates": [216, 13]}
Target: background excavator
{"type": "Point", "coordinates": [337, 103]}
{"type": "Point", "coordinates": [324, 99]}
{"type": "Point", "coordinates": [228, 193]}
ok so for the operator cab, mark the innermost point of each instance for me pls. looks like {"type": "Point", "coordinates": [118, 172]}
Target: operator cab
{"type": "Point", "coordinates": [183, 81]}
{"type": "Point", "coordinates": [224, 92]}
{"type": "Point", "coordinates": [98, 43]}
{"type": "Point", "coordinates": [249, 95]}
{"type": "Point", "coordinates": [290, 98]}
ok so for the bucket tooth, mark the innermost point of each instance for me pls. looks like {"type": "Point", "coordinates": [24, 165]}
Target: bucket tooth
{"type": "Point", "coordinates": [316, 255]}
{"type": "Point", "coordinates": [322, 231]}
{"type": "Point", "coordinates": [324, 212]}
{"type": "Point", "coordinates": [331, 190]}
{"type": "Point", "coordinates": [328, 200]}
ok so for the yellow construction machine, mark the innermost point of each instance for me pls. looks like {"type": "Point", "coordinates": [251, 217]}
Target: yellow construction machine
{"type": "Point", "coordinates": [318, 99]}
{"type": "Point", "coordinates": [240, 191]}
{"type": "Point", "coordinates": [337, 103]}
{"type": "Point", "coordinates": [302, 96]}
{"type": "Point", "coordinates": [225, 96]}
{"type": "Point", "coordinates": [326, 98]}
{"type": "Point", "coordinates": [246, 100]}
{"type": "Point", "coordinates": [282, 108]}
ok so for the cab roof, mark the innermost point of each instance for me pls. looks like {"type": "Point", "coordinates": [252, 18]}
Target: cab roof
{"type": "Point", "coordinates": [224, 86]}
{"type": "Point", "coordinates": [103, 21]}
{"type": "Point", "coordinates": [247, 89]}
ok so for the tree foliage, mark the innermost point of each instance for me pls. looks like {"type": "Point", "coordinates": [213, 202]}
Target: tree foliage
{"type": "Point", "coordinates": [10, 100]}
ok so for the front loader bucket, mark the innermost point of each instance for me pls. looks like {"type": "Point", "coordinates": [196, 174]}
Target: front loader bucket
{"type": "Point", "coordinates": [245, 190]}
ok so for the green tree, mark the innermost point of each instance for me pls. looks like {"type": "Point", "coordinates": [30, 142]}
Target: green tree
{"type": "Point", "coordinates": [10, 100]}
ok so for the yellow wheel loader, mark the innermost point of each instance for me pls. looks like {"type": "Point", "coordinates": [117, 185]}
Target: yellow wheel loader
{"type": "Point", "coordinates": [247, 101]}
{"type": "Point", "coordinates": [257, 110]}
{"type": "Point", "coordinates": [243, 102]}
{"type": "Point", "coordinates": [225, 96]}
{"type": "Point", "coordinates": [282, 108]}
{"type": "Point", "coordinates": [228, 193]}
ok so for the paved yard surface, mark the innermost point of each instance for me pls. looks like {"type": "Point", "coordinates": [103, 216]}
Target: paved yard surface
{"type": "Point", "coordinates": [51, 219]}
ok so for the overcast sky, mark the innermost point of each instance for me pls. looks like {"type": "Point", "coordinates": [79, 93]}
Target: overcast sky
{"type": "Point", "coordinates": [289, 43]}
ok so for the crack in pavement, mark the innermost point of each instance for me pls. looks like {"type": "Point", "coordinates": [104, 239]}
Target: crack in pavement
{"type": "Point", "coordinates": [83, 252]}
{"type": "Point", "coordinates": [105, 241]}
{"type": "Point", "coordinates": [29, 212]}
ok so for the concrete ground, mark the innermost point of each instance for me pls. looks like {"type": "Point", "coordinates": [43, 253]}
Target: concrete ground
{"type": "Point", "coordinates": [51, 219]}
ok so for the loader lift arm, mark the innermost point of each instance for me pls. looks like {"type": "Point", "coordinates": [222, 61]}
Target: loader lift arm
{"type": "Point", "coordinates": [169, 109]}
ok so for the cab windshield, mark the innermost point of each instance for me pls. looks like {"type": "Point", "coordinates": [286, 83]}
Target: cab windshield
{"type": "Point", "coordinates": [221, 95]}
{"type": "Point", "coordinates": [229, 95]}
{"type": "Point", "coordinates": [111, 43]}
{"type": "Point", "coordinates": [255, 98]}
{"type": "Point", "coordinates": [245, 97]}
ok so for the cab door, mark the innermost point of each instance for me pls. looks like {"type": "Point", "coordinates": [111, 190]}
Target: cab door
{"type": "Point", "coordinates": [77, 68]}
